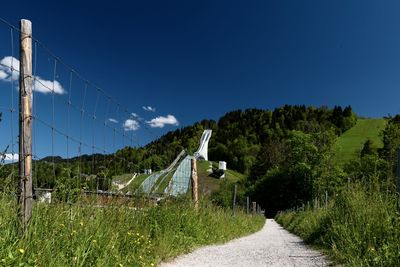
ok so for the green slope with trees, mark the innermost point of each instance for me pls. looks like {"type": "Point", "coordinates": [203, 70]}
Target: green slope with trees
{"type": "Point", "coordinates": [366, 132]}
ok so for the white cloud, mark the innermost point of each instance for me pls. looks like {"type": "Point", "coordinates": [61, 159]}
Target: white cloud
{"type": "Point", "coordinates": [112, 120]}
{"type": "Point", "coordinates": [161, 121]}
{"type": "Point", "coordinates": [3, 75]}
{"type": "Point", "coordinates": [131, 125]}
{"type": "Point", "coordinates": [6, 65]}
{"type": "Point", "coordinates": [39, 85]}
{"type": "Point", "coordinates": [134, 115]}
{"type": "Point", "coordinates": [10, 157]}
{"type": "Point", "coordinates": [43, 86]}
{"type": "Point", "coordinates": [149, 108]}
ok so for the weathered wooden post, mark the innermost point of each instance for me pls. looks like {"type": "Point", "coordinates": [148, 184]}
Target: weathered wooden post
{"type": "Point", "coordinates": [234, 198]}
{"type": "Point", "coordinates": [254, 207]}
{"type": "Point", "coordinates": [398, 170]}
{"type": "Point", "coordinates": [195, 194]}
{"type": "Point", "coordinates": [247, 205]}
{"type": "Point", "coordinates": [326, 199]}
{"type": "Point", "coordinates": [25, 123]}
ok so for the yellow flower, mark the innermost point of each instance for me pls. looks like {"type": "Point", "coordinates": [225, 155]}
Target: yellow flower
{"type": "Point", "coordinates": [81, 223]}
{"type": "Point", "coordinates": [62, 225]}
{"type": "Point", "coordinates": [151, 264]}
{"type": "Point", "coordinates": [21, 250]}
{"type": "Point", "coordinates": [94, 241]}
{"type": "Point", "coordinates": [140, 257]}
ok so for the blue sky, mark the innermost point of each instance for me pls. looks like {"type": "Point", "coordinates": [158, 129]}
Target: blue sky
{"type": "Point", "coordinates": [190, 60]}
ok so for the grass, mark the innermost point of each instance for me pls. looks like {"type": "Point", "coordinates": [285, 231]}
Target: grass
{"type": "Point", "coordinates": [349, 144]}
{"type": "Point", "coordinates": [85, 235]}
{"type": "Point", "coordinates": [360, 227]}
{"type": "Point", "coordinates": [135, 183]}
{"type": "Point", "coordinates": [209, 184]}
{"type": "Point", "coordinates": [123, 178]}
{"type": "Point", "coordinates": [163, 182]}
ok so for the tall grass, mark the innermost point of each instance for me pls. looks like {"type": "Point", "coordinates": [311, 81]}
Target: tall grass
{"type": "Point", "coordinates": [360, 227]}
{"type": "Point", "coordinates": [87, 235]}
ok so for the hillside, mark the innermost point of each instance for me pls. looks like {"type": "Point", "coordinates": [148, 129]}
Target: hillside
{"type": "Point", "coordinates": [350, 143]}
{"type": "Point", "coordinates": [251, 141]}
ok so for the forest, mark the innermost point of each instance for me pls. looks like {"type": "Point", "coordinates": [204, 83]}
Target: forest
{"type": "Point", "coordinates": [285, 153]}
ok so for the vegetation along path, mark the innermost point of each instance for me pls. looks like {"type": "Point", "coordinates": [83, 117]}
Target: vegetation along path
{"type": "Point", "coordinates": [272, 246]}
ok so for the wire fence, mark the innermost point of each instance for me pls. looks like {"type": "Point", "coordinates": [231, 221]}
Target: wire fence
{"type": "Point", "coordinates": [81, 137]}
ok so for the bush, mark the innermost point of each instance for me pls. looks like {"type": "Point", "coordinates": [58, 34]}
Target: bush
{"type": "Point", "coordinates": [360, 227]}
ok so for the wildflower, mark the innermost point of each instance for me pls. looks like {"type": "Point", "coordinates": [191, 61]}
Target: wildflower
{"type": "Point", "coordinates": [81, 223]}
{"type": "Point", "coordinates": [94, 241]}
{"type": "Point", "coordinates": [151, 264]}
{"type": "Point", "coordinates": [62, 225]}
{"type": "Point", "coordinates": [21, 250]}
{"type": "Point", "coordinates": [140, 257]}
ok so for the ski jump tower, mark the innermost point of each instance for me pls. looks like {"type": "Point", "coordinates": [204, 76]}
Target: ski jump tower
{"type": "Point", "coordinates": [202, 151]}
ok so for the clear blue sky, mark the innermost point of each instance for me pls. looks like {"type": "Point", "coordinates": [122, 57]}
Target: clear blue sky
{"type": "Point", "coordinates": [200, 59]}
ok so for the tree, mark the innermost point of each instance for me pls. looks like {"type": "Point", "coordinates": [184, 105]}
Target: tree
{"type": "Point", "coordinates": [367, 148]}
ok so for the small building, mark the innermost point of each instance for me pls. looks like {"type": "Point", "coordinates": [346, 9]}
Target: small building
{"type": "Point", "coordinates": [222, 165]}
{"type": "Point", "coordinates": [222, 168]}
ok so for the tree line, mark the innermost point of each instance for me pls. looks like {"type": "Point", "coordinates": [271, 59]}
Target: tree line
{"type": "Point", "coordinates": [286, 147]}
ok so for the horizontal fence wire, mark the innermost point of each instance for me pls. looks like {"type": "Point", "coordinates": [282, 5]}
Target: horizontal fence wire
{"type": "Point", "coordinates": [73, 120]}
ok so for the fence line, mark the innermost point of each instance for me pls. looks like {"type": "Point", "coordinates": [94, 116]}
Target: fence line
{"type": "Point", "coordinates": [83, 120]}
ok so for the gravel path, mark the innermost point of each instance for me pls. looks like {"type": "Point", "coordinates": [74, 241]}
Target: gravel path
{"type": "Point", "coordinates": [272, 246]}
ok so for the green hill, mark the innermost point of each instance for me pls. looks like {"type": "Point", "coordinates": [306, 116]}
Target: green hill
{"type": "Point", "coordinates": [208, 183]}
{"type": "Point", "coordinates": [349, 144]}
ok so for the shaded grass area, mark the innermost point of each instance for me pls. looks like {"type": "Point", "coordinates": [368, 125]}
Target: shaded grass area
{"type": "Point", "coordinates": [85, 235]}
{"type": "Point", "coordinates": [350, 143]}
{"type": "Point", "coordinates": [359, 227]}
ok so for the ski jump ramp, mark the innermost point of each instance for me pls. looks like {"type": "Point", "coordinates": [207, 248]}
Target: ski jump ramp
{"type": "Point", "coordinates": [180, 181]}
{"type": "Point", "coordinates": [202, 151]}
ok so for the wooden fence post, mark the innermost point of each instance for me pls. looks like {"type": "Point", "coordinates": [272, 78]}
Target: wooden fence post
{"type": "Point", "coordinates": [247, 205]}
{"type": "Point", "coordinates": [398, 170]}
{"type": "Point", "coordinates": [234, 198]}
{"type": "Point", "coordinates": [195, 194]}
{"type": "Point", "coordinates": [254, 207]}
{"type": "Point", "coordinates": [25, 123]}
{"type": "Point", "coordinates": [326, 199]}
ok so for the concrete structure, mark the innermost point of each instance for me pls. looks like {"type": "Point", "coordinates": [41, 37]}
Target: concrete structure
{"type": "Point", "coordinates": [202, 151]}
{"type": "Point", "coordinates": [222, 165]}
